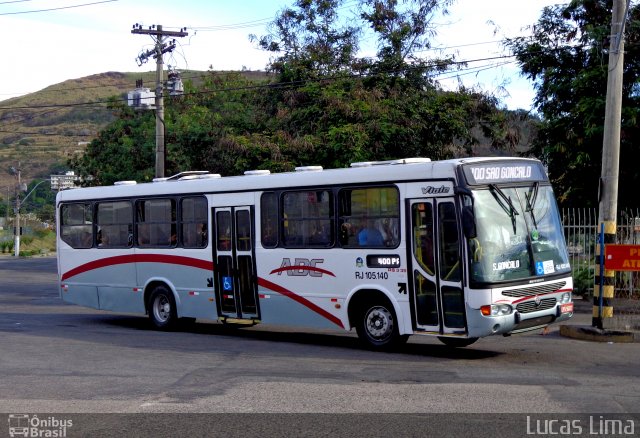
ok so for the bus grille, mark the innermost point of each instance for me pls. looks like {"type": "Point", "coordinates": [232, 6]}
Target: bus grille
{"type": "Point", "coordinates": [534, 290]}
{"type": "Point", "coordinates": [531, 306]}
{"type": "Point", "coordinates": [534, 323]}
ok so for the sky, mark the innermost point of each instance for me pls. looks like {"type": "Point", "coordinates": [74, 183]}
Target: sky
{"type": "Point", "coordinates": [50, 41]}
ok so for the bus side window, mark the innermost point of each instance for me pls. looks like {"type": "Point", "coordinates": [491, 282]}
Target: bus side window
{"type": "Point", "coordinates": [77, 225]}
{"type": "Point", "coordinates": [369, 217]}
{"type": "Point", "coordinates": [156, 223]}
{"type": "Point", "coordinates": [223, 230]}
{"type": "Point", "coordinates": [308, 219]}
{"type": "Point", "coordinates": [449, 242]}
{"type": "Point", "coordinates": [269, 220]}
{"type": "Point", "coordinates": [114, 224]}
{"type": "Point", "coordinates": [423, 246]}
{"type": "Point", "coordinates": [194, 222]}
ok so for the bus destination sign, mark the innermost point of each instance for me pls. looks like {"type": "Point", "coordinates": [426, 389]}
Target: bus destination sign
{"type": "Point", "coordinates": [497, 172]}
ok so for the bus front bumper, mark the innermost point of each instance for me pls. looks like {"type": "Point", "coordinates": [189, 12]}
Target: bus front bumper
{"type": "Point", "coordinates": [480, 325]}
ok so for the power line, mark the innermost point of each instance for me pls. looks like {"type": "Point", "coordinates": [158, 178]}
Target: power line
{"type": "Point", "coordinates": [116, 84]}
{"type": "Point", "coordinates": [57, 9]}
{"type": "Point", "coordinates": [292, 84]}
{"type": "Point", "coordinates": [281, 85]}
{"type": "Point", "coordinates": [233, 26]}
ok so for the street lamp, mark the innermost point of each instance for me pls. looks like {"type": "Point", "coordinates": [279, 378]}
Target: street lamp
{"type": "Point", "coordinates": [16, 245]}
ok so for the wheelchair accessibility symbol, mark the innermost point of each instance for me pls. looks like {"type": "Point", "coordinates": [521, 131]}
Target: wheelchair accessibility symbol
{"type": "Point", "coordinates": [227, 283]}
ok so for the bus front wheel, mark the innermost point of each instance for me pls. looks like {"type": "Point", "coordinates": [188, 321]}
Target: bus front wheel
{"type": "Point", "coordinates": [162, 308]}
{"type": "Point", "coordinates": [377, 327]}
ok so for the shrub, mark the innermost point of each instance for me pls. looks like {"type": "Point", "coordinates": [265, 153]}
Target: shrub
{"type": "Point", "coordinates": [583, 280]}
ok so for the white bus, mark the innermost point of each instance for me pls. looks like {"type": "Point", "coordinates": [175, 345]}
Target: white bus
{"type": "Point", "coordinates": [457, 249]}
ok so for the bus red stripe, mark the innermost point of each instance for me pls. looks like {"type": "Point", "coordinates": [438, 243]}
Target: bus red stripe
{"type": "Point", "coordinates": [138, 258]}
{"type": "Point", "coordinates": [276, 288]}
{"type": "Point", "coordinates": [196, 263]}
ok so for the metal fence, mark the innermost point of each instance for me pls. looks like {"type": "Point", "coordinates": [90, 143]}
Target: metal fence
{"type": "Point", "coordinates": [581, 233]}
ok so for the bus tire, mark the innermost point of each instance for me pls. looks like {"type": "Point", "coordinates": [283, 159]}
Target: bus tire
{"type": "Point", "coordinates": [162, 308]}
{"type": "Point", "coordinates": [377, 326]}
{"type": "Point", "coordinates": [457, 342]}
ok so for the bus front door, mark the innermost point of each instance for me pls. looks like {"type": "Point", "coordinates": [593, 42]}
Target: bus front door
{"type": "Point", "coordinates": [235, 272]}
{"type": "Point", "coordinates": [437, 293]}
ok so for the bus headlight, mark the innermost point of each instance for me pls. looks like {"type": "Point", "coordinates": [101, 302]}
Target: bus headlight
{"type": "Point", "coordinates": [565, 298]}
{"type": "Point", "coordinates": [496, 310]}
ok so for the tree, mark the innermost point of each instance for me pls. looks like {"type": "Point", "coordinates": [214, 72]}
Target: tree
{"type": "Point", "coordinates": [124, 150]}
{"type": "Point", "coordinates": [566, 59]}
{"type": "Point", "coordinates": [331, 108]}
{"type": "Point", "coordinates": [403, 32]}
{"type": "Point", "coordinates": [309, 41]}
{"type": "Point", "coordinates": [320, 104]}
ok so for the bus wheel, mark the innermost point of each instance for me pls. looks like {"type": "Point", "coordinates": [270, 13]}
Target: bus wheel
{"type": "Point", "coordinates": [162, 308]}
{"type": "Point", "coordinates": [457, 342]}
{"type": "Point", "coordinates": [378, 328]}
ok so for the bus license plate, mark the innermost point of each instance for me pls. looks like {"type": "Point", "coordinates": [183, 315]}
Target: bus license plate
{"type": "Point", "coordinates": [566, 308]}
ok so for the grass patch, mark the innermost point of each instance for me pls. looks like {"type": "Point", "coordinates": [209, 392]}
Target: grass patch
{"type": "Point", "coordinates": [40, 242]}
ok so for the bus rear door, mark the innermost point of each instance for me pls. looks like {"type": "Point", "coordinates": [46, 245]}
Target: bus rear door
{"type": "Point", "coordinates": [234, 257]}
{"type": "Point", "coordinates": [437, 293]}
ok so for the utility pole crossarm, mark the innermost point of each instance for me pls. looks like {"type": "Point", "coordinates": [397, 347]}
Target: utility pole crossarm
{"type": "Point", "coordinates": [160, 32]}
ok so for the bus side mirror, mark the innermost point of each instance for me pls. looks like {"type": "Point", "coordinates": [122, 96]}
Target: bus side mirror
{"type": "Point", "coordinates": [468, 222]}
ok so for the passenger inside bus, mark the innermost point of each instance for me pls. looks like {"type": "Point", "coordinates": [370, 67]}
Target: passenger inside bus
{"type": "Point", "coordinates": [202, 234]}
{"type": "Point", "coordinates": [143, 234]}
{"type": "Point", "coordinates": [346, 232]}
{"type": "Point", "coordinates": [102, 238]}
{"type": "Point", "coordinates": [269, 236]}
{"type": "Point", "coordinates": [389, 229]}
{"type": "Point", "coordinates": [370, 235]}
{"type": "Point", "coordinates": [86, 239]}
{"type": "Point", "coordinates": [320, 236]}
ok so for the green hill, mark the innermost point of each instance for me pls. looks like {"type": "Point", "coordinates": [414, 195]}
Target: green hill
{"type": "Point", "coordinates": [40, 130]}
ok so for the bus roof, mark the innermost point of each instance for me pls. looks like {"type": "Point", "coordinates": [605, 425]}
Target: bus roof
{"type": "Point", "coordinates": [410, 169]}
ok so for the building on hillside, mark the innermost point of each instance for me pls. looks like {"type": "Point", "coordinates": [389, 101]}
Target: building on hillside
{"type": "Point", "coordinates": [66, 181]}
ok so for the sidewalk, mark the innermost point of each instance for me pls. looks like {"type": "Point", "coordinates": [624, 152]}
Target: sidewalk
{"type": "Point", "coordinates": [624, 327]}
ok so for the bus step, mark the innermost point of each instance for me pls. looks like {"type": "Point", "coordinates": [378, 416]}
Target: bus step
{"type": "Point", "coordinates": [238, 321]}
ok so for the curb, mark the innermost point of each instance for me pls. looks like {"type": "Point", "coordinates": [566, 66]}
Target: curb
{"type": "Point", "coordinates": [588, 333]}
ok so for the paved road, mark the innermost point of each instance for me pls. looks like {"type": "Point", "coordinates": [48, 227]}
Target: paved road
{"type": "Point", "coordinates": [67, 359]}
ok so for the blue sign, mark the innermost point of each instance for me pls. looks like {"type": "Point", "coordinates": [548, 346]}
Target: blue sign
{"type": "Point", "coordinates": [539, 268]}
{"type": "Point", "coordinates": [227, 283]}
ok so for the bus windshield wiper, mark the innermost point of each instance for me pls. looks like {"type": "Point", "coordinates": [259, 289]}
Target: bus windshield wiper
{"type": "Point", "coordinates": [505, 202]}
{"type": "Point", "coordinates": [531, 197]}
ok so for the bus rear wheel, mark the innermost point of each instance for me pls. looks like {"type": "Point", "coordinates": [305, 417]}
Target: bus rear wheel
{"type": "Point", "coordinates": [457, 342]}
{"type": "Point", "coordinates": [377, 327]}
{"type": "Point", "coordinates": [162, 308]}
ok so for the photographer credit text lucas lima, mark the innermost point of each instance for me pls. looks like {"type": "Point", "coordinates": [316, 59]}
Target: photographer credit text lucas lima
{"type": "Point", "coordinates": [599, 426]}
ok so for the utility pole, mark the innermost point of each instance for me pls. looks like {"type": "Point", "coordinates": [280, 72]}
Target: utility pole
{"type": "Point", "coordinates": [16, 221]}
{"type": "Point", "coordinates": [6, 221]}
{"type": "Point", "coordinates": [161, 48]}
{"type": "Point", "coordinates": [608, 191]}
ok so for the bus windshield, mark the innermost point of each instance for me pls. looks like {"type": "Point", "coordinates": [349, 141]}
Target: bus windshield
{"type": "Point", "coordinates": [519, 234]}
